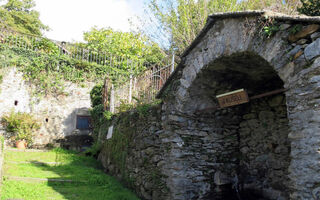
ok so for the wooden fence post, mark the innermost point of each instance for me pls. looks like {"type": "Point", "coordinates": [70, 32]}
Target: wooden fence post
{"type": "Point", "coordinates": [112, 99]}
{"type": "Point", "coordinates": [130, 90]}
{"type": "Point", "coordinates": [105, 94]}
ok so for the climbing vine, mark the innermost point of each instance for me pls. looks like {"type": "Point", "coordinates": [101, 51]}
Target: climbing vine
{"type": "Point", "coordinates": [48, 70]}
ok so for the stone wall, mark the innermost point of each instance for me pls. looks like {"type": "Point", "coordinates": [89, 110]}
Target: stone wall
{"type": "Point", "coordinates": [136, 152]}
{"type": "Point", "coordinates": [1, 160]}
{"type": "Point", "coordinates": [56, 113]}
{"type": "Point", "coordinates": [268, 148]}
{"type": "Point", "coordinates": [247, 144]}
{"type": "Point", "coordinates": [202, 155]}
{"type": "Point", "coordinates": [232, 53]}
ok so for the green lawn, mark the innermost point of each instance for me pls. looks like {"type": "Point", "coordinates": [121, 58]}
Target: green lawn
{"type": "Point", "coordinates": [88, 181]}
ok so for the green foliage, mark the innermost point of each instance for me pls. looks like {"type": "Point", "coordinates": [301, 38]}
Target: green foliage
{"type": "Point", "coordinates": [124, 106]}
{"type": "Point", "coordinates": [117, 148]}
{"type": "Point", "coordinates": [96, 95]}
{"type": "Point", "coordinates": [107, 115]}
{"type": "Point", "coordinates": [184, 19]}
{"type": "Point", "coordinates": [21, 125]}
{"type": "Point", "coordinates": [295, 29]}
{"type": "Point", "coordinates": [20, 16]}
{"type": "Point", "coordinates": [49, 71]}
{"type": "Point", "coordinates": [96, 114]}
{"type": "Point", "coordinates": [46, 46]}
{"type": "Point", "coordinates": [123, 44]}
{"type": "Point", "coordinates": [94, 150]}
{"type": "Point", "coordinates": [310, 7]}
{"type": "Point", "coordinates": [130, 46]}
{"type": "Point", "coordinates": [2, 142]}
{"type": "Point", "coordinates": [270, 30]}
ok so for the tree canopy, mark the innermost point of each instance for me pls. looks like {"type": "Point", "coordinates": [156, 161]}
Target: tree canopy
{"type": "Point", "coordinates": [178, 22]}
{"type": "Point", "coordinates": [127, 45]}
{"type": "Point", "coordinates": [20, 16]}
{"type": "Point", "coordinates": [310, 7]}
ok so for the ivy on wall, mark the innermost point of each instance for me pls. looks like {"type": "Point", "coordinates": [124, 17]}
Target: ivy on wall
{"type": "Point", "coordinates": [48, 69]}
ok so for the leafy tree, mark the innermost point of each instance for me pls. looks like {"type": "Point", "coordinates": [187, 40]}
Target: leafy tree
{"type": "Point", "coordinates": [178, 22]}
{"type": "Point", "coordinates": [310, 7]}
{"type": "Point", "coordinates": [124, 46]}
{"type": "Point", "coordinates": [20, 16]}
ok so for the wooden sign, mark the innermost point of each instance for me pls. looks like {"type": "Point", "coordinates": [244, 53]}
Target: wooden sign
{"type": "Point", "coordinates": [233, 98]}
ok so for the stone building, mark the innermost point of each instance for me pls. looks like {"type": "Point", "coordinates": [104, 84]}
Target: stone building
{"type": "Point", "coordinates": [267, 148]}
{"type": "Point", "coordinates": [59, 115]}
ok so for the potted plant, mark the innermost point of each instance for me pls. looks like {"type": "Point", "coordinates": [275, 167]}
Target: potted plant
{"type": "Point", "coordinates": [21, 127]}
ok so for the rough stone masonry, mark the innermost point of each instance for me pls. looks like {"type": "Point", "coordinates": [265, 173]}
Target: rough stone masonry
{"type": "Point", "coordinates": [56, 113]}
{"type": "Point", "coordinates": [265, 149]}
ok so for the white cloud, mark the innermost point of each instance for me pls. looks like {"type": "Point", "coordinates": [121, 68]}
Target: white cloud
{"type": "Point", "coordinates": [68, 19]}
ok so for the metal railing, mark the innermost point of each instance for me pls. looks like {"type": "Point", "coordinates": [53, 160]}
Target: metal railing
{"type": "Point", "coordinates": [142, 87]}
{"type": "Point", "coordinates": [15, 39]}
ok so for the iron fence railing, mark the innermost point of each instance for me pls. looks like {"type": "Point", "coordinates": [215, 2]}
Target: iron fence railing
{"type": "Point", "coordinates": [142, 87]}
{"type": "Point", "coordinates": [15, 39]}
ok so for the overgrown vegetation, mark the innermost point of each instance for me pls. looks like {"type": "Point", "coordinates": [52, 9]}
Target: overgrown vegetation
{"type": "Point", "coordinates": [310, 7]}
{"type": "Point", "coordinates": [21, 125]}
{"type": "Point", "coordinates": [49, 70]}
{"type": "Point", "coordinates": [132, 46]}
{"type": "Point", "coordinates": [97, 108]}
{"type": "Point", "coordinates": [19, 15]}
{"type": "Point", "coordinates": [176, 23]}
{"type": "Point", "coordinates": [2, 143]}
{"type": "Point", "coordinates": [88, 181]}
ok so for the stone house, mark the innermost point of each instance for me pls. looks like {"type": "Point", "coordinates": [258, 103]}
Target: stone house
{"type": "Point", "coordinates": [59, 115]}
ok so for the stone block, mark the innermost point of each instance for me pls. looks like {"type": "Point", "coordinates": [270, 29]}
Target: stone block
{"type": "Point", "coordinates": [284, 27]}
{"type": "Point", "coordinates": [276, 101]}
{"type": "Point", "coordinates": [315, 36]}
{"type": "Point", "coordinates": [302, 41]}
{"type": "Point", "coordinates": [266, 116]}
{"type": "Point", "coordinates": [250, 116]}
{"type": "Point", "coordinates": [312, 50]}
{"type": "Point", "coordinates": [306, 31]}
{"type": "Point", "coordinates": [221, 179]}
{"type": "Point", "coordinates": [315, 79]}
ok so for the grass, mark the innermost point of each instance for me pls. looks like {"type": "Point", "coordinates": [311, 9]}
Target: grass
{"type": "Point", "coordinates": [89, 180]}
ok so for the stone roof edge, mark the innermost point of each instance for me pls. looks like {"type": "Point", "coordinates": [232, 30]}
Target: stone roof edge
{"type": "Point", "coordinates": [212, 18]}
{"type": "Point", "coordinates": [275, 15]}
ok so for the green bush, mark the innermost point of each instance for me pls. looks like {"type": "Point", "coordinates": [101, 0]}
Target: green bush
{"type": "Point", "coordinates": [310, 7]}
{"type": "Point", "coordinates": [96, 95]}
{"type": "Point", "coordinates": [21, 125]}
{"type": "Point", "coordinates": [2, 142]}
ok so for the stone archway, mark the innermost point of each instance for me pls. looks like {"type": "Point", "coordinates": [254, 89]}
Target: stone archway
{"type": "Point", "coordinates": [231, 54]}
{"type": "Point", "coordinates": [252, 149]}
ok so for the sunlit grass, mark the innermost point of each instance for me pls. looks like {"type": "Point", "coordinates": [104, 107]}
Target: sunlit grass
{"type": "Point", "coordinates": [89, 182]}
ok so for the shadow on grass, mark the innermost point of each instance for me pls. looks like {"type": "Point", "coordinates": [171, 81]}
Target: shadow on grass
{"type": "Point", "coordinates": [82, 178]}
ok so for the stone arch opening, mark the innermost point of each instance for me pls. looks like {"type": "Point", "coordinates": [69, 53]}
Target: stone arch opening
{"type": "Point", "coordinates": [246, 147]}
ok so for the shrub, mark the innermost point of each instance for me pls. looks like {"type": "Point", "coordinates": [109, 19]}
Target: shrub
{"type": "Point", "coordinates": [21, 125]}
{"type": "Point", "coordinates": [310, 7]}
{"type": "Point", "coordinates": [96, 95]}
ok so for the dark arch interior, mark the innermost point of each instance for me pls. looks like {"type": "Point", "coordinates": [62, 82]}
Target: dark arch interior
{"type": "Point", "coordinates": [242, 70]}
{"type": "Point", "coordinates": [248, 143]}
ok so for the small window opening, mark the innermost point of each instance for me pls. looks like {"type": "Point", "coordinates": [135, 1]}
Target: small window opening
{"type": "Point", "coordinates": [83, 122]}
{"type": "Point", "coordinates": [47, 119]}
{"type": "Point", "coordinates": [15, 102]}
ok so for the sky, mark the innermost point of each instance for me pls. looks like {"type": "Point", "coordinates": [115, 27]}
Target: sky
{"type": "Point", "coordinates": [68, 19]}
